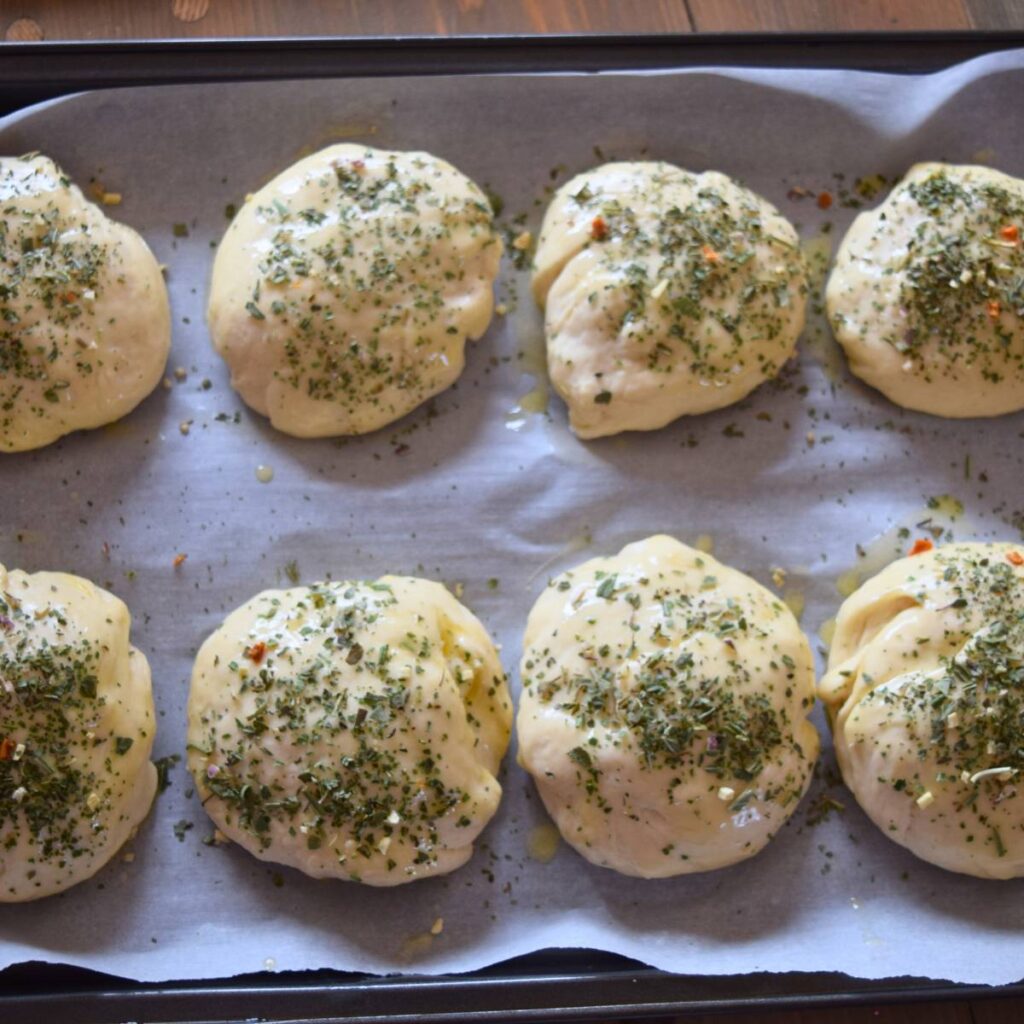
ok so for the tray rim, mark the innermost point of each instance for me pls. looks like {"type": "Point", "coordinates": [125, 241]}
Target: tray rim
{"type": "Point", "coordinates": [72, 65]}
{"type": "Point", "coordinates": [585, 987]}
{"type": "Point", "coordinates": [585, 984]}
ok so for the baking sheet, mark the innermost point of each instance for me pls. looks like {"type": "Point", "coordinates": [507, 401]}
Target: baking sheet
{"type": "Point", "coordinates": [486, 490]}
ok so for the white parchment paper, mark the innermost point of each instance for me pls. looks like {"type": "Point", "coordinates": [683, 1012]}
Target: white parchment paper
{"type": "Point", "coordinates": [476, 488]}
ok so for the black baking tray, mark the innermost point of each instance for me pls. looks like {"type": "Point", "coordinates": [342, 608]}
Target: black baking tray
{"type": "Point", "coordinates": [551, 984]}
{"type": "Point", "coordinates": [30, 72]}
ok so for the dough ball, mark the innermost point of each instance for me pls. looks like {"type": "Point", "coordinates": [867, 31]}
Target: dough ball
{"type": "Point", "coordinates": [664, 710]}
{"type": "Point", "coordinates": [351, 729]}
{"type": "Point", "coordinates": [76, 732]}
{"type": "Point", "coordinates": [345, 289]}
{"type": "Point", "coordinates": [666, 294]}
{"type": "Point", "coordinates": [925, 295]}
{"type": "Point", "coordinates": [85, 325]}
{"type": "Point", "coordinates": [925, 693]}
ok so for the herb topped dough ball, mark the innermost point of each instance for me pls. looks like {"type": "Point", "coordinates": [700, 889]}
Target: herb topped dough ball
{"type": "Point", "coordinates": [925, 692]}
{"type": "Point", "coordinates": [666, 294]}
{"type": "Point", "coordinates": [76, 731]}
{"type": "Point", "coordinates": [926, 295]}
{"type": "Point", "coordinates": [664, 710]}
{"type": "Point", "coordinates": [351, 729]}
{"type": "Point", "coordinates": [345, 289]}
{"type": "Point", "coordinates": [85, 326]}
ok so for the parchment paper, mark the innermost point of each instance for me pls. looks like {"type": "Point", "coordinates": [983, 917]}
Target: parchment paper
{"type": "Point", "coordinates": [469, 490]}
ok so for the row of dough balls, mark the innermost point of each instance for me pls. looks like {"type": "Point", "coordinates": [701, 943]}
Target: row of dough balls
{"type": "Point", "coordinates": [344, 292]}
{"type": "Point", "coordinates": [355, 729]}
{"type": "Point", "coordinates": [668, 293]}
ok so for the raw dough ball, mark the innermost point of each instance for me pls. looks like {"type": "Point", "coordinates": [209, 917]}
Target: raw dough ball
{"type": "Point", "coordinates": [666, 294]}
{"type": "Point", "coordinates": [925, 692]}
{"type": "Point", "coordinates": [76, 731]}
{"type": "Point", "coordinates": [926, 298]}
{"type": "Point", "coordinates": [664, 710]}
{"type": "Point", "coordinates": [345, 289]}
{"type": "Point", "coordinates": [85, 326]}
{"type": "Point", "coordinates": [351, 729]}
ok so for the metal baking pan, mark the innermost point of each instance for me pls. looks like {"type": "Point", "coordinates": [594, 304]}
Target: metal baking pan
{"type": "Point", "coordinates": [30, 72]}
{"type": "Point", "coordinates": [554, 984]}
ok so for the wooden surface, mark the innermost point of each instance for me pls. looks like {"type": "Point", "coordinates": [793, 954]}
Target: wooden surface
{"type": "Point", "coordinates": [128, 19]}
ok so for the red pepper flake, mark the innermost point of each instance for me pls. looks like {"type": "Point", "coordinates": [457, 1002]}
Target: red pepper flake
{"type": "Point", "coordinates": [921, 545]}
{"type": "Point", "coordinates": [179, 560]}
{"type": "Point", "coordinates": [709, 254]}
{"type": "Point", "coordinates": [824, 200]}
{"type": "Point", "coordinates": [1009, 233]}
{"type": "Point", "coordinates": [994, 309]}
{"type": "Point", "coordinates": [359, 166]}
{"type": "Point", "coordinates": [599, 229]}
{"type": "Point", "coordinates": [257, 652]}
{"type": "Point", "coordinates": [7, 746]}
{"type": "Point", "coordinates": [69, 296]}
{"type": "Point", "coordinates": [1015, 558]}
{"type": "Point", "coordinates": [106, 550]}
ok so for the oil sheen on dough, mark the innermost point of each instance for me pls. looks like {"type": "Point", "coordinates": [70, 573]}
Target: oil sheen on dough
{"type": "Point", "coordinates": [926, 297]}
{"type": "Point", "coordinates": [76, 732]}
{"type": "Point", "coordinates": [664, 710]}
{"type": "Point", "coordinates": [345, 289]}
{"type": "Point", "coordinates": [666, 294]}
{"type": "Point", "coordinates": [351, 730]}
{"type": "Point", "coordinates": [924, 692]}
{"type": "Point", "coordinates": [85, 325]}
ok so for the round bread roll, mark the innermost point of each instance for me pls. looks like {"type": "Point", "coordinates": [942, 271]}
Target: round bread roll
{"type": "Point", "coordinates": [76, 732]}
{"type": "Point", "coordinates": [664, 710]}
{"type": "Point", "coordinates": [925, 295]}
{"type": "Point", "coordinates": [666, 294]}
{"type": "Point", "coordinates": [351, 730]}
{"type": "Point", "coordinates": [85, 325]}
{"type": "Point", "coordinates": [925, 693]}
{"type": "Point", "coordinates": [345, 289]}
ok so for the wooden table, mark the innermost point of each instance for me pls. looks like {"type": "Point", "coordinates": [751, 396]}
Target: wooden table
{"type": "Point", "coordinates": [128, 19]}
{"type": "Point", "coordinates": [122, 19]}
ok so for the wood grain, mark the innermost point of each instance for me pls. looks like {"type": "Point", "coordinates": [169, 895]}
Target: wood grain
{"type": "Point", "coordinates": [190, 10]}
{"type": "Point", "coordinates": [996, 14]}
{"type": "Point", "coordinates": [839, 16]}
{"type": "Point", "coordinates": [146, 19]}
{"type": "Point", "coordinates": [23, 30]}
